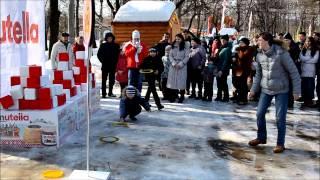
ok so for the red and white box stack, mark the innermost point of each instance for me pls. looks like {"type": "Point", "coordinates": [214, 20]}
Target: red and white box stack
{"type": "Point", "coordinates": [80, 72]}
{"type": "Point", "coordinates": [63, 75]}
{"type": "Point", "coordinates": [32, 90]}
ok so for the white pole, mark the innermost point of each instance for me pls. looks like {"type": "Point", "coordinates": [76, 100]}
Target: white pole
{"type": "Point", "coordinates": [88, 106]}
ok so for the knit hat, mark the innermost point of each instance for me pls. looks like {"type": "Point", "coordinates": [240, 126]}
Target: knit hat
{"type": "Point", "coordinates": [109, 34]}
{"type": "Point", "coordinates": [245, 41]}
{"type": "Point", "coordinates": [135, 34]}
{"type": "Point", "coordinates": [225, 37]}
{"type": "Point", "coordinates": [287, 36]}
{"type": "Point", "coordinates": [65, 34]}
{"type": "Point", "coordinates": [131, 90]}
{"type": "Point", "coordinates": [152, 50]}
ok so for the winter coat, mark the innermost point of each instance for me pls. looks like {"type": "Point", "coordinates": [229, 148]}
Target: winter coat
{"type": "Point", "coordinates": [166, 65]}
{"type": "Point", "coordinates": [274, 68]}
{"type": "Point", "coordinates": [197, 57]}
{"type": "Point", "coordinates": [177, 76]}
{"type": "Point", "coordinates": [243, 62]}
{"type": "Point", "coordinates": [77, 47]}
{"type": "Point", "coordinates": [122, 66]}
{"type": "Point", "coordinates": [130, 52]}
{"type": "Point", "coordinates": [153, 63]}
{"type": "Point", "coordinates": [308, 64]}
{"type": "Point", "coordinates": [223, 62]}
{"type": "Point", "coordinates": [161, 46]}
{"type": "Point", "coordinates": [108, 55]}
{"type": "Point", "coordinates": [208, 73]}
{"type": "Point", "coordinates": [132, 105]}
{"type": "Point", "coordinates": [58, 48]}
{"type": "Point", "coordinates": [294, 51]}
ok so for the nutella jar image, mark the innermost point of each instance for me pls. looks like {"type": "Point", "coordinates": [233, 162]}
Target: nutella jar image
{"type": "Point", "coordinates": [49, 136]}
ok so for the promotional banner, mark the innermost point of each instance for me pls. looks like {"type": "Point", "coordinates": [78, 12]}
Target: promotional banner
{"type": "Point", "coordinates": [22, 38]}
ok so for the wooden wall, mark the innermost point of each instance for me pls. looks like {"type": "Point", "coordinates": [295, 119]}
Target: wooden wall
{"type": "Point", "coordinates": [150, 32]}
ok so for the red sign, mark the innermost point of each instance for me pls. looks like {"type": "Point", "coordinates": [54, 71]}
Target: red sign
{"type": "Point", "coordinates": [87, 21]}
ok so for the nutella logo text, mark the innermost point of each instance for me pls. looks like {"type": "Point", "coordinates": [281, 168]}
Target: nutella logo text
{"type": "Point", "coordinates": [17, 32]}
{"type": "Point", "coordinates": [14, 117]}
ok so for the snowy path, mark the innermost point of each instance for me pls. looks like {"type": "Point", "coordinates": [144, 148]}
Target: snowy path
{"type": "Point", "coordinates": [194, 140]}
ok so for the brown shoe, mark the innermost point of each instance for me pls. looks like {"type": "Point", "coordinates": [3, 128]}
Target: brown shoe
{"type": "Point", "coordinates": [256, 142]}
{"type": "Point", "coordinates": [279, 149]}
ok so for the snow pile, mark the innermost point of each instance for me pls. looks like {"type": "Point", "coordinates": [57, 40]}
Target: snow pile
{"type": "Point", "coordinates": [145, 11]}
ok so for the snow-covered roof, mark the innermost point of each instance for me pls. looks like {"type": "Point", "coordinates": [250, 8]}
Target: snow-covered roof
{"type": "Point", "coordinates": [145, 11]}
{"type": "Point", "coordinates": [228, 31]}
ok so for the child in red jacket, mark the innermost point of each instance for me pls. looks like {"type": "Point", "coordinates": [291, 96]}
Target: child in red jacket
{"type": "Point", "coordinates": [122, 71]}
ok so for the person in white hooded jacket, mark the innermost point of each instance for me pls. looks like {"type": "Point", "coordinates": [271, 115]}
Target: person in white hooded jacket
{"type": "Point", "coordinates": [62, 46]}
{"type": "Point", "coordinates": [309, 57]}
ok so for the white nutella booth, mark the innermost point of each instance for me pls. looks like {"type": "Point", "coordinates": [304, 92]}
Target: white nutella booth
{"type": "Point", "coordinates": [38, 107]}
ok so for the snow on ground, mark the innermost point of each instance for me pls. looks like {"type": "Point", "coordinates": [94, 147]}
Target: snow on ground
{"type": "Point", "coordinates": [194, 140]}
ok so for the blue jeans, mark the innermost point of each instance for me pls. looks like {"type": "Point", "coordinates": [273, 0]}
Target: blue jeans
{"type": "Point", "coordinates": [134, 78]}
{"type": "Point", "coordinates": [281, 113]}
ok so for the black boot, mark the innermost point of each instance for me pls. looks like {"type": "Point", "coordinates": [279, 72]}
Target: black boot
{"type": "Point", "coordinates": [181, 99]}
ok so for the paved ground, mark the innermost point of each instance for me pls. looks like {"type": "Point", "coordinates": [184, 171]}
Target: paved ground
{"type": "Point", "coordinates": [194, 140]}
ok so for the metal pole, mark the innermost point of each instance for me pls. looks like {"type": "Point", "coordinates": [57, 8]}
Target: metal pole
{"type": "Point", "coordinates": [88, 107]}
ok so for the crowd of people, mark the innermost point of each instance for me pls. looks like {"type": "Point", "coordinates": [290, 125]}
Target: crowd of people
{"type": "Point", "coordinates": [264, 67]}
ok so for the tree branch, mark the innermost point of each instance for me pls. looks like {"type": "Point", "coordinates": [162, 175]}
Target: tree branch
{"type": "Point", "coordinates": [179, 3]}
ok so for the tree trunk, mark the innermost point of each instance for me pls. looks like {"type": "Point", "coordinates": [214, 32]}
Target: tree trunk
{"type": "Point", "coordinates": [54, 16]}
{"type": "Point", "coordinates": [71, 21]}
{"type": "Point", "coordinates": [101, 20]}
{"type": "Point", "coordinates": [198, 25]}
{"type": "Point", "coordinates": [77, 18]}
{"type": "Point", "coordinates": [191, 20]}
{"type": "Point", "coordinates": [93, 38]}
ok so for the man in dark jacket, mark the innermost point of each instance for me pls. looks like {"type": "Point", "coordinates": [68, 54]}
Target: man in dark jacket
{"type": "Point", "coordinates": [223, 64]}
{"type": "Point", "coordinates": [108, 55]}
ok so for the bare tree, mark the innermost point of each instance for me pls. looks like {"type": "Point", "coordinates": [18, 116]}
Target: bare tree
{"type": "Point", "coordinates": [71, 20]}
{"type": "Point", "coordinates": [54, 15]}
{"type": "Point", "coordinates": [77, 18]}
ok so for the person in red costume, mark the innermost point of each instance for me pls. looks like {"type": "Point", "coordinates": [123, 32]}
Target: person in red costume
{"type": "Point", "coordinates": [135, 52]}
{"type": "Point", "coordinates": [78, 45]}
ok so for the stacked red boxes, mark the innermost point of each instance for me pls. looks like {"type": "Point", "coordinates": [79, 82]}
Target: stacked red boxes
{"type": "Point", "coordinates": [64, 76]}
{"type": "Point", "coordinates": [80, 70]}
{"type": "Point", "coordinates": [31, 90]}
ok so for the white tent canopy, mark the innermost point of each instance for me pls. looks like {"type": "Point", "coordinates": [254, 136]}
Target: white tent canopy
{"type": "Point", "coordinates": [145, 11]}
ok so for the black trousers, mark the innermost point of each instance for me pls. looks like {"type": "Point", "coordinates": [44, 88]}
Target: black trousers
{"type": "Point", "coordinates": [152, 89]}
{"type": "Point", "coordinates": [196, 79]}
{"type": "Point", "coordinates": [165, 92]}
{"type": "Point", "coordinates": [208, 90]}
{"type": "Point", "coordinates": [290, 95]}
{"type": "Point", "coordinates": [105, 74]}
{"type": "Point", "coordinates": [241, 93]}
{"type": "Point", "coordinates": [222, 87]}
{"type": "Point", "coordinates": [132, 112]}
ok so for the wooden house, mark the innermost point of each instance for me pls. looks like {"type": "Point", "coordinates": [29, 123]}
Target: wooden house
{"type": "Point", "coordinates": [151, 18]}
